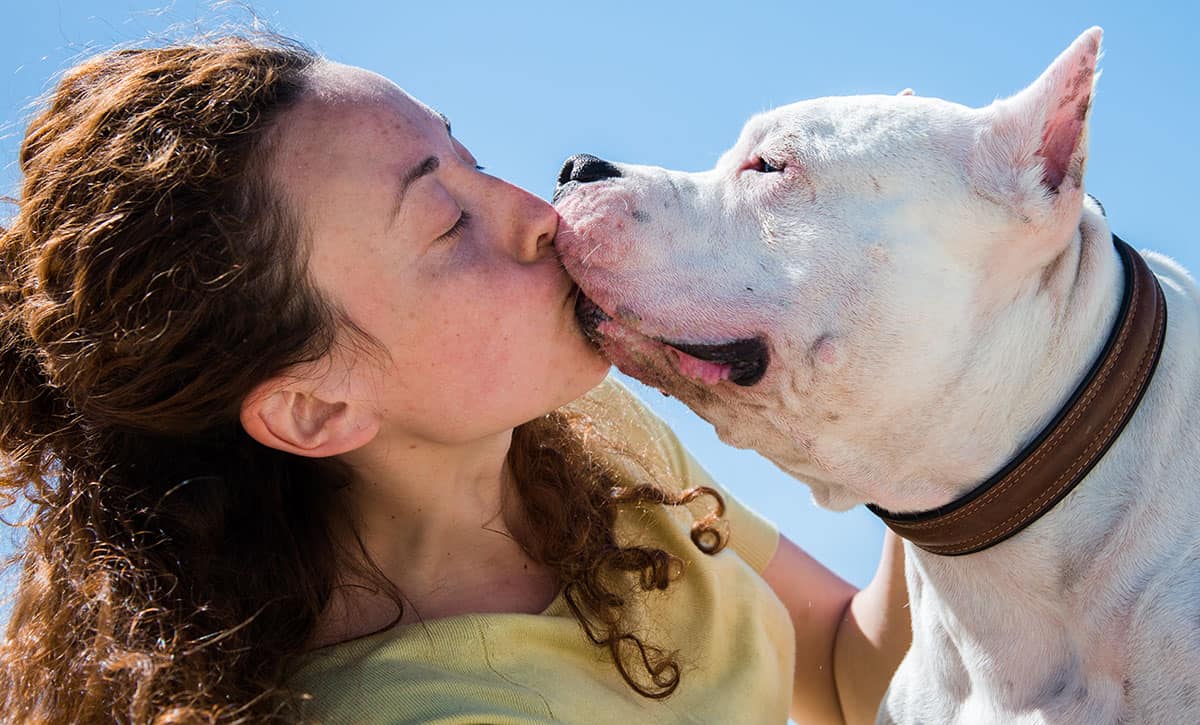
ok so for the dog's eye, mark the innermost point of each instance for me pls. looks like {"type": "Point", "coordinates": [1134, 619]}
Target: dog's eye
{"type": "Point", "coordinates": [763, 166]}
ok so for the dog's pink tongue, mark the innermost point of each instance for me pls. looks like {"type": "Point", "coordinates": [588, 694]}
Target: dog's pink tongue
{"type": "Point", "coordinates": [707, 372]}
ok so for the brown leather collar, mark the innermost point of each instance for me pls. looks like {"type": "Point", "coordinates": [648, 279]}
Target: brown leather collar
{"type": "Point", "coordinates": [1065, 451]}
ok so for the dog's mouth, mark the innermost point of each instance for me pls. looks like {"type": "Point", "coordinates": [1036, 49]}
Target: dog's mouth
{"type": "Point", "coordinates": [589, 315]}
{"type": "Point", "coordinates": [742, 362]}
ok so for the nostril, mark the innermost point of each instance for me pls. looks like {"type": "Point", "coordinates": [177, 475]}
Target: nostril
{"type": "Point", "coordinates": [584, 168]}
{"type": "Point", "coordinates": [564, 174]}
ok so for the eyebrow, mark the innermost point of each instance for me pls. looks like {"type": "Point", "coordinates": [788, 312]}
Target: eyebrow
{"type": "Point", "coordinates": [426, 167]}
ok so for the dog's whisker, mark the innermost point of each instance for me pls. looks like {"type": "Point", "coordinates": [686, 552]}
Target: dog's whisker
{"type": "Point", "coordinates": [591, 251]}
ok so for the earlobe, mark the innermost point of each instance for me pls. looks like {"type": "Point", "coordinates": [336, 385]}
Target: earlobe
{"type": "Point", "coordinates": [305, 425]}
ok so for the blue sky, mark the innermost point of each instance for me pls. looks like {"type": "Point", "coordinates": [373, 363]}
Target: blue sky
{"type": "Point", "coordinates": [670, 83]}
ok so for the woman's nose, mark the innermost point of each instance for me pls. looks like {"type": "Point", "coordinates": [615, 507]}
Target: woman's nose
{"type": "Point", "coordinates": [536, 225]}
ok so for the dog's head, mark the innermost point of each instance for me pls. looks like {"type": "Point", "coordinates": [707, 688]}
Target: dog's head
{"type": "Point", "coordinates": [819, 292]}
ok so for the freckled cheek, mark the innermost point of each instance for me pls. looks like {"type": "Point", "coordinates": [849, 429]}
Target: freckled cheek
{"type": "Point", "coordinates": [470, 328]}
{"type": "Point", "coordinates": [472, 365]}
{"type": "Point", "coordinates": [445, 357]}
{"type": "Point", "coordinates": [467, 321]}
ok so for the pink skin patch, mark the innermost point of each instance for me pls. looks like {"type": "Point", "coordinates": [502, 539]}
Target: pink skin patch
{"type": "Point", "coordinates": [826, 351]}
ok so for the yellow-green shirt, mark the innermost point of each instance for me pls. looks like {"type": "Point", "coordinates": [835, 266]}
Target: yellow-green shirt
{"type": "Point", "coordinates": [733, 637]}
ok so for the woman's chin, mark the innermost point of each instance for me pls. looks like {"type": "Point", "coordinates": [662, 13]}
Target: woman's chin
{"type": "Point", "coordinates": [591, 370]}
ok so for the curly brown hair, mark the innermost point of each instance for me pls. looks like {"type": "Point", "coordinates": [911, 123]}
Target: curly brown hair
{"type": "Point", "coordinates": [145, 248]}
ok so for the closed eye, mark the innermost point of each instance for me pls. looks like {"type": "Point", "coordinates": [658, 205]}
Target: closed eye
{"type": "Point", "coordinates": [455, 231]}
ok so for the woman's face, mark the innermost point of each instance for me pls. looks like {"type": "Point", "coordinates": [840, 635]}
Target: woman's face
{"type": "Point", "coordinates": [453, 270]}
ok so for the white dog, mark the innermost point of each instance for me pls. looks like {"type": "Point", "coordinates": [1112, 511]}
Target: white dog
{"type": "Point", "coordinates": [891, 297]}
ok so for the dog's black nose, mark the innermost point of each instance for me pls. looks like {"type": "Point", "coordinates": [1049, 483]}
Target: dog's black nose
{"type": "Point", "coordinates": [584, 168]}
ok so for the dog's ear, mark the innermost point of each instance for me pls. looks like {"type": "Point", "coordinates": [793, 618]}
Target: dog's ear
{"type": "Point", "coordinates": [1033, 147]}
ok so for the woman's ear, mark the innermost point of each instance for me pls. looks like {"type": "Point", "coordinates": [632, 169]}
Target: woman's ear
{"type": "Point", "coordinates": [280, 416]}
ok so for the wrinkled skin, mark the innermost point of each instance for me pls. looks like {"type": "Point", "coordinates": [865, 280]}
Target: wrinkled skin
{"type": "Point", "coordinates": [930, 283]}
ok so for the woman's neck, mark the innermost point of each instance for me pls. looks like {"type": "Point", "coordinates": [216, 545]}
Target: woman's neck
{"type": "Point", "coordinates": [438, 521]}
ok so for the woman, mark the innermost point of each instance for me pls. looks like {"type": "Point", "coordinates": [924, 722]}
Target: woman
{"type": "Point", "coordinates": [294, 390]}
